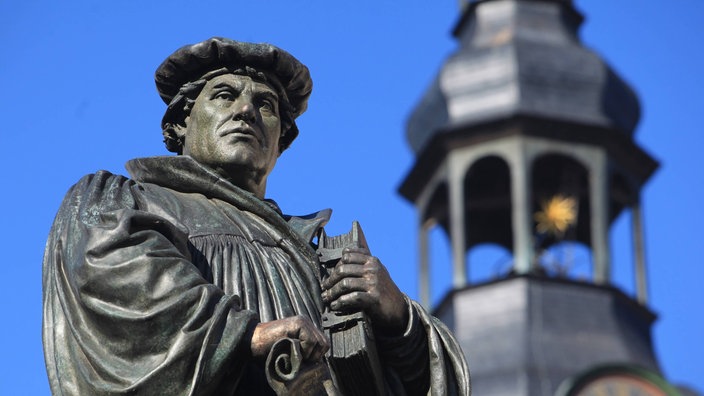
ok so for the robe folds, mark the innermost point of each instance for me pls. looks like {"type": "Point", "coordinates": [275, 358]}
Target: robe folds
{"type": "Point", "coordinates": [153, 284]}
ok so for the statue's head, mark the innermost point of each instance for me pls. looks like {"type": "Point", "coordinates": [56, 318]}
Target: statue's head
{"type": "Point", "coordinates": [182, 76]}
{"type": "Point", "coordinates": [231, 103]}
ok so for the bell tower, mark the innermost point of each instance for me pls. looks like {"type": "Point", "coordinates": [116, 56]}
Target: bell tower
{"type": "Point", "coordinates": [525, 140]}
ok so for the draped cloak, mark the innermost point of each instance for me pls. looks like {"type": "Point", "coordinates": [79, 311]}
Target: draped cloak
{"type": "Point", "coordinates": [152, 285]}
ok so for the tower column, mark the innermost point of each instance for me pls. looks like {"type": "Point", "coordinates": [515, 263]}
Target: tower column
{"type": "Point", "coordinates": [601, 252]}
{"type": "Point", "coordinates": [522, 222]}
{"type": "Point", "coordinates": [639, 252]}
{"type": "Point", "coordinates": [424, 261]}
{"type": "Point", "coordinates": [457, 228]}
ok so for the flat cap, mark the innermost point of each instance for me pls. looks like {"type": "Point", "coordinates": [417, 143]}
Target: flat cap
{"type": "Point", "coordinates": [191, 62]}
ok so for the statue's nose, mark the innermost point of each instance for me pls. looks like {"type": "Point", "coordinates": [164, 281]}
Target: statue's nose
{"type": "Point", "coordinates": [245, 112]}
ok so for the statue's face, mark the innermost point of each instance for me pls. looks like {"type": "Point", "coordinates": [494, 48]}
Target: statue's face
{"type": "Point", "coordinates": [234, 124]}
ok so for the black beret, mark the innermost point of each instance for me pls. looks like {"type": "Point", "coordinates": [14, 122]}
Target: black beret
{"type": "Point", "coordinates": [191, 62]}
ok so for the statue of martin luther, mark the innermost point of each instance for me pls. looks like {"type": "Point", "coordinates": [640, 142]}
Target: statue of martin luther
{"type": "Point", "coordinates": [180, 279]}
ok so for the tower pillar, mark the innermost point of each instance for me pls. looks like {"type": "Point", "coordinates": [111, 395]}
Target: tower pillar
{"type": "Point", "coordinates": [523, 251]}
{"type": "Point", "coordinates": [599, 198]}
{"type": "Point", "coordinates": [639, 252]}
{"type": "Point", "coordinates": [457, 227]}
{"type": "Point", "coordinates": [424, 261]}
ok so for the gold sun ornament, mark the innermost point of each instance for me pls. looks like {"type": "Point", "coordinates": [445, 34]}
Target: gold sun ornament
{"type": "Point", "coordinates": [556, 215]}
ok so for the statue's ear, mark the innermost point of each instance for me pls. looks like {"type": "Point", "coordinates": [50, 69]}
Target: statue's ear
{"type": "Point", "coordinates": [175, 136]}
{"type": "Point", "coordinates": [180, 128]}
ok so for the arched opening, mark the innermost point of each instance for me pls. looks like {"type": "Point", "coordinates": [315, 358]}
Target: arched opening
{"type": "Point", "coordinates": [487, 191]}
{"type": "Point", "coordinates": [561, 208]}
{"type": "Point", "coordinates": [436, 219]}
{"type": "Point", "coordinates": [622, 252]}
{"type": "Point", "coordinates": [488, 212]}
{"type": "Point", "coordinates": [626, 234]}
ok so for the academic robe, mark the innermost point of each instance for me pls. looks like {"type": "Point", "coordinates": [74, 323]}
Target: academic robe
{"type": "Point", "coordinates": [152, 285]}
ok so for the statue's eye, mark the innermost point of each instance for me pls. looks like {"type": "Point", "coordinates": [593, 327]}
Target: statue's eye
{"type": "Point", "coordinates": [225, 95]}
{"type": "Point", "coordinates": [267, 105]}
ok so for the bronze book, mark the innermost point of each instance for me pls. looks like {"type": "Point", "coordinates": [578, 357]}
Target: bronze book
{"type": "Point", "coordinates": [352, 355]}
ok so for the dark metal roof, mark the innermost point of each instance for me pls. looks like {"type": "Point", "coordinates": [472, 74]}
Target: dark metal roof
{"type": "Point", "coordinates": [522, 57]}
{"type": "Point", "coordinates": [525, 335]}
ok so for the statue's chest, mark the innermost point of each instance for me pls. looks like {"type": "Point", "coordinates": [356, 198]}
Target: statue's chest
{"type": "Point", "coordinates": [200, 216]}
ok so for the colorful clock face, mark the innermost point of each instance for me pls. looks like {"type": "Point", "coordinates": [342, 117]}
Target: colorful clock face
{"type": "Point", "coordinates": [619, 385]}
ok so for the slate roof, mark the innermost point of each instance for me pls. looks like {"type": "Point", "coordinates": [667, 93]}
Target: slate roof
{"type": "Point", "coordinates": [522, 57]}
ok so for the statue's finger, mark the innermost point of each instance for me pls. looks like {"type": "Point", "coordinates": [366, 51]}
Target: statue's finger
{"type": "Point", "coordinates": [361, 250]}
{"type": "Point", "coordinates": [342, 271]}
{"type": "Point", "coordinates": [345, 286]}
{"type": "Point", "coordinates": [312, 341]}
{"type": "Point", "coordinates": [320, 348]}
{"type": "Point", "coordinates": [356, 258]}
{"type": "Point", "coordinates": [352, 301]}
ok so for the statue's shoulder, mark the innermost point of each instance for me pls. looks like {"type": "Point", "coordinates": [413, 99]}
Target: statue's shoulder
{"type": "Point", "coordinates": [101, 185]}
{"type": "Point", "coordinates": [101, 180]}
{"type": "Point", "coordinates": [97, 193]}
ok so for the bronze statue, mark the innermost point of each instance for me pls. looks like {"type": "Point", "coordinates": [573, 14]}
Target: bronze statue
{"type": "Point", "coordinates": [183, 279]}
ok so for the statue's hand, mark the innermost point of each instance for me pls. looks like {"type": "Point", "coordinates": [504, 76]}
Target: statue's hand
{"type": "Point", "coordinates": [314, 344]}
{"type": "Point", "coordinates": [361, 282]}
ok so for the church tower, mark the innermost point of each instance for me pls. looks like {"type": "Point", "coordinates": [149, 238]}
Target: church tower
{"type": "Point", "coordinates": [525, 140]}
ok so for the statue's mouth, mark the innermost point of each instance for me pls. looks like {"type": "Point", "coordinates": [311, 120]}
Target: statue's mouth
{"type": "Point", "coordinates": [244, 132]}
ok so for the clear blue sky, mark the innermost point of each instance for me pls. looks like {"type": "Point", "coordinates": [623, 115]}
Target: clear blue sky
{"type": "Point", "coordinates": [79, 96]}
